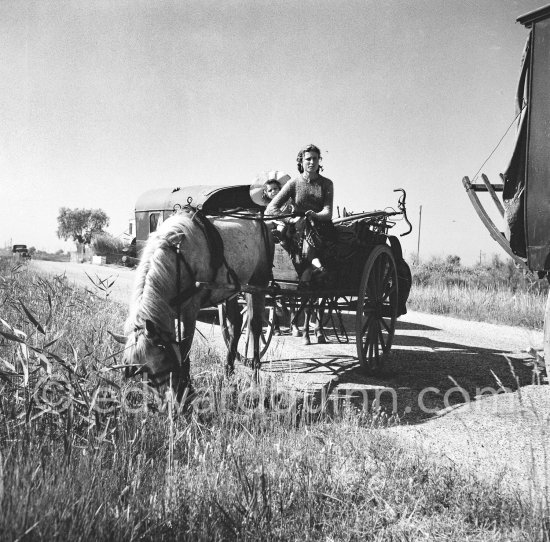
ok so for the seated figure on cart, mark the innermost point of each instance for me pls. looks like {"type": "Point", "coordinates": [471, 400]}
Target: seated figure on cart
{"type": "Point", "coordinates": [311, 195]}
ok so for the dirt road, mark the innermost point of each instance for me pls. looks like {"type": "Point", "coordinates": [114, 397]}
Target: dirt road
{"type": "Point", "coordinates": [438, 371]}
{"type": "Point", "coordinates": [427, 350]}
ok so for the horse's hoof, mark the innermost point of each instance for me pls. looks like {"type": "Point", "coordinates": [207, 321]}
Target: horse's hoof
{"type": "Point", "coordinates": [277, 332]}
{"type": "Point", "coordinates": [296, 333]}
{"type": "Point", "coordinates": [321, 339]}
{"type": "Point", "coordinates": [307, 341]}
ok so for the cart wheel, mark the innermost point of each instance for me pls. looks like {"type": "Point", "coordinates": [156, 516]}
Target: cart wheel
{"type": "Point", "coordinates": [332, 321]}
{"type": "Point", "coordinates": [245, 348]}
{"type": "Point", "coordinates": [376, 309]}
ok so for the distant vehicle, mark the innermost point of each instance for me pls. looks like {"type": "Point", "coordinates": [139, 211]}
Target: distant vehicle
{"type": "Point", "coordinates": [21, 251]}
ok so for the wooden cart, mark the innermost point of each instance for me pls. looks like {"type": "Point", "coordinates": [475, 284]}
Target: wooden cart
{"type": "Point", "coordinates": [370, 284]}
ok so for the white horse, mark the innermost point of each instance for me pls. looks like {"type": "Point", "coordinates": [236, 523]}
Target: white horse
{"type": "Point", "coordinates": [176, 259]}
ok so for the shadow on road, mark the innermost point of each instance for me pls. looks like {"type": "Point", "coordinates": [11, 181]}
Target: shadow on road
{"type": "Point", "coordinates": [425, 376]}
{"type": "Point", "coordinates": [334, 365]}
{"type": "Point", "coordinates": [400, 325]}
{"type": "Point", "coordinates": [421, 379]}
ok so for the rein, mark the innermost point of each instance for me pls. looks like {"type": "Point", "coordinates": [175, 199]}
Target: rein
{"type": "Point", "coordinates": [219, 259]}
{"type": "Point", "coordinates": [178, 272]}
{"type": "Point", "coordinates": [255, 217]}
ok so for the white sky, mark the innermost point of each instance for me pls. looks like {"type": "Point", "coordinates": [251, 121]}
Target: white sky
{"type": "Point", "coordinates": [102, 100]}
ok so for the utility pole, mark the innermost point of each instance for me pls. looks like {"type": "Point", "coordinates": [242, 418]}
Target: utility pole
{"type": "Point", "coordinates": [419, 225]}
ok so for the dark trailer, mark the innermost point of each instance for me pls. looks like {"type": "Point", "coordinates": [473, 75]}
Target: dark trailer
{"type": "Point", "coordinates": [525, 184]}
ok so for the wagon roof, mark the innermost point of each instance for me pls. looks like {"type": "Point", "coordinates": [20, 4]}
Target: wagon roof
{"type": "Point", "coordinates": [209, 197]}
{"type": "Point", "coordinates": [537, 14]}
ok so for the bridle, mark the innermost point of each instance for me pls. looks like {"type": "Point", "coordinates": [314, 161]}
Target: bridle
{"type": "Point", "coordinates": [165, 339]}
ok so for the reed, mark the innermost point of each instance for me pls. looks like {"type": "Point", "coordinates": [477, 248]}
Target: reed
{"type": "Point", "coordinates": [497, 293]}
{"type": "Point", "coordinates": [96, 458]}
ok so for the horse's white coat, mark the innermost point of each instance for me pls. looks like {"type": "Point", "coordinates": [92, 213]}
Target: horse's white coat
{"type": "Point", "coordinates": [157, 282]}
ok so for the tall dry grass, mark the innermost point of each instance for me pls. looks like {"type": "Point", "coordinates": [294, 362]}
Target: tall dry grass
{"type": "Point", "coordinates": [236, 467]}
{"type": "Point", "coordinates": [497, 292]}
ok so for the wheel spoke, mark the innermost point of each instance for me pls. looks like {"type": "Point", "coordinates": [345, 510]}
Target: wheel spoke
{"type": "Point", "coordinates": [390, 292]}
{"type": "Point", "coordinates": [389, 282]}
{"type": "Point", "coordinates": [385, 268]}
{"type": "Point", "coordinates": [245, 347]}
{"type": "Point", "coordinates": [381, 337]}
{"type": "Point", "coordinates": [382, 266]}
{"type": "Point", "coordinates": [368, 310]}
{"type": "Point", "coordinates": [387, 274]}
{"type": "Point", "coordinates": [386, 327]}
{"type": "Point", "coordinates": [376, 276]}
{"type": "Point", "coordinates": [371, 339]}
{"type": "Point", "coordinates": [365, 342]}
{"type": "Point", "coordinates": [369, 351]}
{"type": "Point", "coordinates": [365, 324]}
{"type": "Point", "coordinates": [370, 293]}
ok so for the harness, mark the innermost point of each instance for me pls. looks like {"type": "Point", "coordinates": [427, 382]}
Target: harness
{"type": "Point", "coordinates": [217, 256]}
{"type": "Point", "coordinates": [217, 260]}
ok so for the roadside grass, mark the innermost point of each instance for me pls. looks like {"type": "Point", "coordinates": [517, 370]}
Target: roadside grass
{"type": "Point", "coordinates": [497, 293]}
{"type": "Point", "coordinates": [85, 455]}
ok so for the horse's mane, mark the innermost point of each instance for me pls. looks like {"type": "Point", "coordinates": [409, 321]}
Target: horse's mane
{"type": "Point", "coordinates": [156, 274]}
{"type": "Point", "coordinates": [155, 283]}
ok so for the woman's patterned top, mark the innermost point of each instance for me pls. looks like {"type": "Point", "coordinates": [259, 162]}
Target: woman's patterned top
{"type": "Point", "coordinates": [305, 195]}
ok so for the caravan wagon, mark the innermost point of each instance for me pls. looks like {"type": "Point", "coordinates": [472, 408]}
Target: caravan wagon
{"type": "Point", "coordinates": [525, 185]}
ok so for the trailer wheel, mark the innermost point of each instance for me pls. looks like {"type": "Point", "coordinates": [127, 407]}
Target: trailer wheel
{"type": "Point", "coordinates": [245, 348]}
{"type": "Point", "coordinates": [377, 305]}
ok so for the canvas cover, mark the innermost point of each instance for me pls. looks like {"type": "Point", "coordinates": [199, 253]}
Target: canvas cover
{"type": "Point", "coordinates": [514, 177]}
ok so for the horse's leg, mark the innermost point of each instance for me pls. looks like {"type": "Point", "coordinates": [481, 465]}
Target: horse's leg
{"type": "Point", "coordinates": [319, 331]}
{"type": "Point", "coordinates": [294, 328]}
{"type": "Point", "coordinates": [277, 320]}
{"type": "Point", "coordinates": [181, 381]}
{"type": "Point", "coordinates": [307, 317]}
{"type": "Point", "coordinates": [256, 307]}
{"type": "Point", "coordinates": [234, 323]}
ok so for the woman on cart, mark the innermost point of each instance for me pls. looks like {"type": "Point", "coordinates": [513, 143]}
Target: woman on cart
{"type": "Point", "coordinates": [311, 195]}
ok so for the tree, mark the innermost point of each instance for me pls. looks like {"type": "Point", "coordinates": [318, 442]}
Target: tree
{"type": "Point", "coordinates": [81, 224]}
{"type": "Point", "coordinates": [453, 260]}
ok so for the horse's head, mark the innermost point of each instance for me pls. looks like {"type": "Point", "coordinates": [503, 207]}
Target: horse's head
{"type": "Point", "coordinates": [152, 350]}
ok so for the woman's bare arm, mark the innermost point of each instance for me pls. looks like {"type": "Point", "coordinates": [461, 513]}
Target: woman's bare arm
{"type": "Point", "coordinates": [278, 202]}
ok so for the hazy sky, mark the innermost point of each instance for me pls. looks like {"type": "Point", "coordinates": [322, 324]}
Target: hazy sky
{"type": "Point", "coordinates": [103, 100]}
